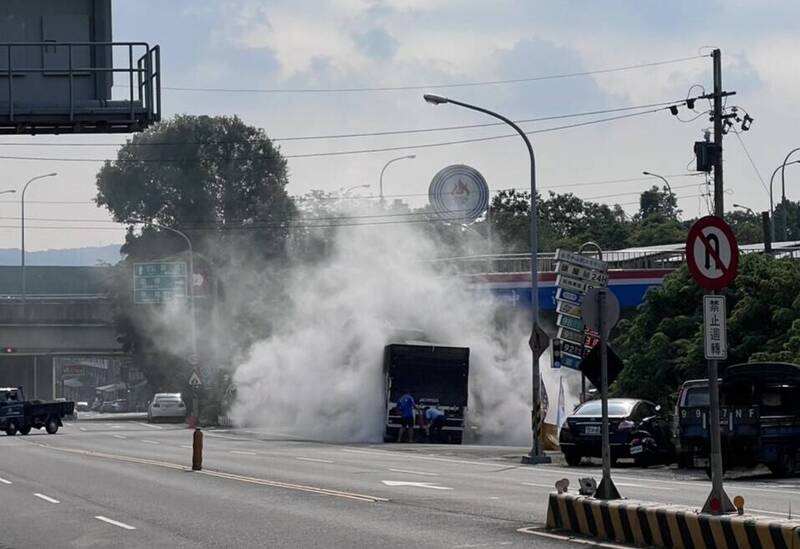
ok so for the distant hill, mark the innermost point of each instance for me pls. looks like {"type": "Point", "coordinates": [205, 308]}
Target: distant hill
{"type": "Point", "coordinates": [68, 257]}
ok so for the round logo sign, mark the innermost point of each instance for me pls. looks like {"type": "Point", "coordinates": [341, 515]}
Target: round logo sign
{"type": "Point", "coordinates": [459, 194]}
{"type": "Point", "coordinates": [712, 253]}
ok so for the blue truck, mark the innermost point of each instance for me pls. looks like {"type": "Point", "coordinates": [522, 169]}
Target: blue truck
{"type": "Point", "coordinates": [18, 415]}
{"type": "Point", "coordinates": [759, 418]}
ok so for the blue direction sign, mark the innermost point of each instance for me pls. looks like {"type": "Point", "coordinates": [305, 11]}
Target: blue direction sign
{"type": "Point", "coordinates": [159, 282]}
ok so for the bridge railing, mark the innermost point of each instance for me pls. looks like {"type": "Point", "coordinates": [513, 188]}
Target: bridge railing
{"type": "Point", "coordinates": [520, 263]}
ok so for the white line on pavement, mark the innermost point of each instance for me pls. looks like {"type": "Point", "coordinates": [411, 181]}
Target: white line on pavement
{"type": "Point", "coordinates": [316, 460]}
{"type": "Point", "coordinates": [785, 514]}
{"type": "Point", "coordinates": [81, 428]}
{"type": "Point", "coordinates": [116, 523]}
{"type": "Point", "coordinates": [46, 498]}
{"type": "Point", "coordinates": [189, 446]}
{"type": "Point", "coordinates": [592, 542]}
{"type": "Point", "coordinates": [242, 452]}
{"type": "Point", "coordinates": [4, 481]}
{"type": "Point", "coordinates": [120, 436]}
{"type": "Point", "coordinates": [631, 485]}
{"type": "Point", "coordinates": [539, 485]}
{"type": "Point", "coordinates": [150, 441]}
{"type": "Point", "coordinates": [150, 425]}
{"type": "Point", "coordinates": [410, 472]}
{"type": "Point", "coordinates": [240, 439]}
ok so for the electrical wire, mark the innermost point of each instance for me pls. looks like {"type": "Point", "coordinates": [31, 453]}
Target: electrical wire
{"type": "Point", "coordinates": [358, 134]}
{"type": "Point", "coordinates": [750, 158]}
{"type": "Point", "coordinates": [434, 86]}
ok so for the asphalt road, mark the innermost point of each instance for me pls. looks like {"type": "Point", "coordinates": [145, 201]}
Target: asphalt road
{"type": "Point", "coordinates": [128, 484]}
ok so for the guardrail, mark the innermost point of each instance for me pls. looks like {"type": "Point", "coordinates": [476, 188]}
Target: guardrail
{"type": "Point", "coordinates": [140, 107]}
{"type": "Point", "coordinates": [520, 263]}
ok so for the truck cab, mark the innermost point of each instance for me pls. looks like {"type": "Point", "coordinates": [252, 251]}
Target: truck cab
{"type": "Point", "coordinates": [435, 376]}
{"type": "Point", "coordinates": [18, 415]}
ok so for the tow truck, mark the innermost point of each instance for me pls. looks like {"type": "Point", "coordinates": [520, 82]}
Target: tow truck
{"type": "Point", "coordinates": [18, 415]}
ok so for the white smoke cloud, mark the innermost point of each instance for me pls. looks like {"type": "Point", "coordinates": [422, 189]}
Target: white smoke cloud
{"type": "Point", "coordinates": [319, 375]}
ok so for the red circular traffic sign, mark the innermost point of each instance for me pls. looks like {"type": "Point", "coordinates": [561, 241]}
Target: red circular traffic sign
{"type": "Point", "coordinates": [712, 253]}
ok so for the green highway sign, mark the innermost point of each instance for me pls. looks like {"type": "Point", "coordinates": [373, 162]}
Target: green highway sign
{"type": "Point", "coordinates": [159, 282]}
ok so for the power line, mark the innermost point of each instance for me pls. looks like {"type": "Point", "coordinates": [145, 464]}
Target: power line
{"type": "Point", "coordinates": [750, 158]}
{"type": "Point", "coordinates": [352, 151]}
{"type": "Point", "coordinates": [357, 134]}
{"type": "Point", "coordinates": [287, 225]}
{"type": "Point", "coordinates": [434, 86]}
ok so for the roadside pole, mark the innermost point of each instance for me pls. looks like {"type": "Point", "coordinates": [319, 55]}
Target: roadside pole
{"type": "Point", "coordinates": [599, 251]}
{"type": "Point", "coordinates": [601, 312]}
{"type": "Point", "coordinates": [712, 255]}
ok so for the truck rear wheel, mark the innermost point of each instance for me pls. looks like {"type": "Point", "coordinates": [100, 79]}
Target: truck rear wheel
{"type": "Point", "coordinates": [24, 430]}
{"type": "Point", "coordinates": [11, 428]}
{"type": "Point", "coordinates": [786, 465]}
{"type": "Point", "coordinates": [51, 426]}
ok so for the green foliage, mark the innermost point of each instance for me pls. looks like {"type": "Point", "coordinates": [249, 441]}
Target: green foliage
{"type": "Point", "coordinates": [662, 346]}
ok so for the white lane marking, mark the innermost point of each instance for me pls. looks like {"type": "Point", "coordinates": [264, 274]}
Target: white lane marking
{"type": "Point", "coordinates": [240, 439]}
{"type": "Point", "coordinates": [46, 498]}
{"type": "Point", "coordinates": [476, 545]}
{"type": "Point", "coordinates": [397, 455]}
{"type": "Point", "coordinates": [116, 426]}
{"type": "Point", "coordinates": [410, 472]}
{"type": "Point", "coordinates": [592, 542]}
{"type": "Point", "coordinates": [784, 514]}
{"type": "Point", "coordinates": [81, 428]}
{"type": "Point", "coordinates": [120, 436]}
{"type": "Point", "coordinates": [4, 481]}
{"type": "Point", "coordinates": [189, 446]}
{"type": "Point", "coordinates": [315, 460]}
{"type": "Point", "coordinates": [115, 523]}
{"type": "Point", "coordinates": [150, 441]}
{"type": "Point", "coordinates": [242, 452]}
{"type": "Point", "coordinates": [430, 485]}
{"type": "Point", "coordinates": [551, 486]}
{"type": "Point", "coordinates": [494, 497]}
{"type": "Point", "coordinates": [631, 485]}
{"type": "Point", "coordinates": [150, 425]}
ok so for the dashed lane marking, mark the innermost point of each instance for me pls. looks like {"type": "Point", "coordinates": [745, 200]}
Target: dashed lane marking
{"type": "Point", "coordinates": [537, 485]}
{"type": "Point", "coordinates": [363, 498]}
{"type": "Point", "coordinates": [189, 446]}
{"type": "Point", "coordinates": [46, 498]}
{"type": "Point", "coordinates": [4, 481]}
{"type": "Point", "coordinates": [82, 428]}
{"type": "Point", "coordinates": [315, 460]}
{"type": "Point", "coordinates": [115, 522]}
{"type": "Point", "coordinates": [146, 441]}
{"type": "Point", "coordinates": [560, 537]}
{"type": "Point", "coordinates": [121, 437]}
{"type": "Point", "coordinates": [242, 452]}
{"type": "Point", "coordinates": [150, 425]}
{"type": "Point", "coordinates": [410, 472]}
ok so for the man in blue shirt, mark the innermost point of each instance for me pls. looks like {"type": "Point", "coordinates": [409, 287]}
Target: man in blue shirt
{"type": "Point", "coordinates": [406, 404]}
{"type": "Point", "coordinates": [435, 419]}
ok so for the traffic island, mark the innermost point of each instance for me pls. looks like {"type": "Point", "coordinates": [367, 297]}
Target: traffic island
{"type": "Point", "coordinates": [660, 525]}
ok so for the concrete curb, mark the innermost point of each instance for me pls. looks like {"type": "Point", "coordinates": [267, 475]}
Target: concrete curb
{"type": "Point", "coordinates": [660, 525]}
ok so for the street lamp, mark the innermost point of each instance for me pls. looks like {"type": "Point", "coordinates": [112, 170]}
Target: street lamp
{"type": "Point", "coordinates": [354, 187]}
{"type": "Point", "coordinates": [193, 358]}
{"type": "Point", "coordinates": [750, 210]}
{"type": "Point", "coordinates": [664, 179]}
{"type": "Point", "coordinates": [783, 200]}
{"type": "Point", "coordinates": [409, 157]}
{"type": "Point", "coordinates": [537, 339]}
{"type": "Point", "coordinates": [22, 227]}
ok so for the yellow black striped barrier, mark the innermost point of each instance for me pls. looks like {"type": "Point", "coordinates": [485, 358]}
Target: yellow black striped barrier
{"type": "Point", "coordinates": [659, 525]}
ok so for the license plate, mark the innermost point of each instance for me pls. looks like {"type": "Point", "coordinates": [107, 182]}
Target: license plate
{"type": "Point", "coordinates": [591, 430]}
{"type": "Point", "coordinates": [636, 449]}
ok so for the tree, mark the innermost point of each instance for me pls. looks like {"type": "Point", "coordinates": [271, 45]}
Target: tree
{"type": "Point", "coordinates": [222, 183]}
{"type": "Point", "coordinates": [214, 177]}
{"type": "Point", "coordinates": [746, 226]}
{"type": "Point", "coordinates": [662, 346]}
{"type": "Point", "coordinates": [657, 203]}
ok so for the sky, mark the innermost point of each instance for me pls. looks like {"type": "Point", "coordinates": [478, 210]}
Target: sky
{"type": "Point", "coordinates": [307, 45]}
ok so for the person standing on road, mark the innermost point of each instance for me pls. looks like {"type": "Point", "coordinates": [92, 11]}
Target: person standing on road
{"type": "Point", "coordinates": [406, 406]}
{"type": "Point", "coordinates": [435, 419]}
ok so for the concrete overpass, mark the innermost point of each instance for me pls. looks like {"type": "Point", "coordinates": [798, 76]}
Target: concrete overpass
{"type": "Point", "coordinates": [62, 341]}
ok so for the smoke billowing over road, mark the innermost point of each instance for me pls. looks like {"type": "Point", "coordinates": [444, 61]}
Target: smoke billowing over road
{"type": "Point", "coordinates": [319, 375]}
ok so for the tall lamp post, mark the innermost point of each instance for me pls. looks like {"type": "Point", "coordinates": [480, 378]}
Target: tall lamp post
{"type": "Point", "coordinates": [664, 179]}
{"type": "Point", "coordinates": [354, 187]}
{"type": "Point", "coordinates": [193, 358]}
{"type": "Point", "coordinates": [745, 208]}
{"type": "Point", "coordinates": [538, 340]}
{"type": "Point", "coordinates": [22, 227]}
{"type": "Point", "coordinates": [783, 194]}
{"type": "Point", "coordinates": [380, 181]}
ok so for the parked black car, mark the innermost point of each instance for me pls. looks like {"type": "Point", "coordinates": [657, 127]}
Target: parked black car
{"type": "Point", "coordinates": [637, 430]}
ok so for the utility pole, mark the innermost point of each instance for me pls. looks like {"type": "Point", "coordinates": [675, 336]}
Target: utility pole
{"type": "Point", "coordinates": [719, 206]}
